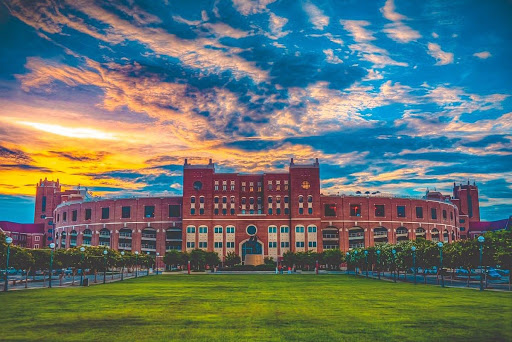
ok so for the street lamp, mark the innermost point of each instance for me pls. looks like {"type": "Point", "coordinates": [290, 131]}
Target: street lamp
{"type": "Point", "coordinates": [481, 240]}
{"type": "Point", "coordinates": [348, 257]}
{"type": "Point", "coordinates": [136, 264]}
{"type": "Point", "coordinates": [366, 262]}
{"type": "Point", "coordinates": [52, 247]}
{"type": "Point", "coordinates": [394, 264]}
{"type": "Point", "coordinates": [156, 262]}
{"type": "Point", "coordinates": [122, 265]}
{"type": "Point", "coordinates": [105, 252]}
{"type": "Point", "coordinates": [147, 253]}
{"type": "Point", "coordinates": [82, 249]}
{"type": "Point", "coordinates": [8, 240]}
{"type": "Point", "coordinates": [440, 245]}
{"type": "Point", "coordinates": [413, 249]}
{"type": "Point", "coordinates": [378, 263]}
{"type": "Point", "coordinates": [355, 264]}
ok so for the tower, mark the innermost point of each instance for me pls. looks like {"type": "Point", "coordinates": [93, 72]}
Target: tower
{"type": "Point", "coordinates": [46, 200]}
{"type": "Point", "coordinates": [468, 203]}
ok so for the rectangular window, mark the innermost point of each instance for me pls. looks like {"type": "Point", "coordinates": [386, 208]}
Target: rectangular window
{"type": "Point", "coordinates": [278, 211]}
{"type": "Point", "coordinates": [311, 229]}
{"type": "Point", "coordinates": [191, 244]}
{"type": "Point", "coordinates": [216, 211]}
{"type": "Point", "coordinates": [218, 244]}
{"type": "Point", "coordinates": [192, 211]}
{"type": "Point", "coordinates": [149, 211]}
{"type": "Point", "coordinates": [192, 199]}
{"type": "Point", "coordinates": [230, 245]}
{"type": "Point", "coordinates": [355, 210]}
{"type": "Point", "coordinates": [224, 187]}
{"type": "Point", "coordinates": [270, 211]}
{"type": "Point", "coordinates": [301, 211]}
{"type": "Point", "coordinates": [218, 230]}
{"type": "Point", "coordinates": [272, 230]}
{"type": "Point", "coordinates": [286, 211]}
{"type": "Point", "coordinates": [125, 212]}
{"type": "Point", "coordinates": [64, 216]}
{"type": "Point", "coordinates": [433, 213]}
{"type": "Point", "coordinates": [400, 211]}
{"type": "Point", "coordinates": [230, 230]}
{"type": "Point", "coordinates": [232, 187]}
{"type": "Point", "coordinates": [43, 204]}
{"type": "Point", "coordinates": [174, 210]}
{"type": "Point", "coordinates": [285, 244]}
{"type": "Point", "coordinates": [224, 199]}
{"type": "Point", "coordinates": [243, 200]}
{"type": "Point", "coordinates": [203, 244]}
{"type": "Point", "coordinates": [232, 200]}
{"type": "Point", "coordinates": [272, 244]}
{"type": "Point", "coordinates": [310, 211]}
{"type": "Point", "coordinates": [444, 214]}
{"type": "Point", "coordinates": [419, 212]}
{"type": "Point", "coordinates": [462, 220]}
{"type": "Point", "coordinates": [299, 244]}
{"type": "Point", "coordinates": [299, 229]}
{"type": "Point", "coordinates": [286, 199]}
{"type": "Point", "coordinates": [451, 215]}
{"type": "Point", "coordinates": [105, 213]}
{"type": "Point", "coordinates": [216, 188]}
{"type": "Point", "coordinates": [379, 210]}
{"type": "Point", "coordinates": [285, 230]}
{"type": "Point", "coordinates": [216, 200]}
{"type": "Point", "coordinates": [312, 244]}
{"type": "Point", "coordinates": [88, 214]}
{"type": "Point", "coordinates": [191, 230]}
{"type": "Point", "coordinates": [37, 238]}
{"type": "Point", "coordinates": [232, 211]}
{"type": "Point", "coordinates": [201, 211]}
{"type": "Point", "coordinates": [201, 199]}
{"type": "Point", "coordinates": [74, 215]}
{"type": "Point", "coordinates": [224, 211]}
{"type": "Point", "coordinates": [330, 209]}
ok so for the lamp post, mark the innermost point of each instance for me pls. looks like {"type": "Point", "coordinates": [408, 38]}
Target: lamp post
{"type": "Point", "coordinates": [378, 263]}
{"type": "Point", "coordinates": [348, 257]}
{"type": "Point", "coordinates": [413, 249]}
{"type": "Point", "coordinates": [394, 264]}
{"type": "Point", "coordinates": [105, 252]}
{"type": "Point", "coordinates": [136, 264]}
{"type": "Point", "coordinates": [481, 240]}
{"type": "Point", "coordinates": [148, 264]}
{"type": "Point", "coordinates": [8, 240]}
{"type": "Point", "coordinates": [52, 247]}
{"type": "Point", "coordinates": [366, 262]}
{"type": "Point", "coordinates": [82, 249]}
{"type": "Point", "coordinates": [355, 264]}
{"type": "Point", "coordinates": [156, 262]}
{"type": "Point", "coordinates": [440, 245]}
{"type": "Point", "coordinates": [122, 266]}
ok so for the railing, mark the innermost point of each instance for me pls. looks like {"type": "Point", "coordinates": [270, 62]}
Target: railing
{"type": "Point", "coordinates": [146, 246]}
{"type": "Point", "coordinates": [125, 245]}
{"type": "Point", "coordinates": [402, 233]}
{"type": "Point", "coordinates": [125, 235]}
{"type": "Point", "coordinates": [104, 234]}
{"type": "Point", "coordinates": [104, 243]}
{"type": "Point", "coordinates": [87, 235]}
{"type": "Point", "coordinates": [330, 236]}
{"type": "Point", "coordinates": [356, 245]}
{"type": "Point", "coordinates": [380, 233]}
{"type": "Point", "coordinates": [86, 242]}
{"type": "Point", "coordinates": [148, 236]}
{"type": "Point", "coordinates": [169, 248]}
{"type": "Point", "coordinates": [356, 235]}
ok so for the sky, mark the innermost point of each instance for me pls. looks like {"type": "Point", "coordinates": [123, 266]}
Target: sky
{"type": "Point", "coordinates": [392, 96]}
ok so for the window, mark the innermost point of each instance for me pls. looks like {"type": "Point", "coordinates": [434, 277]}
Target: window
{"type": "Point", "coordinates": [310, 199]}
{"type": "Point", "coordinates": [201, 211]}
{"type": "Point", "coordinates": [270, 186]}
{"type": "Point", "coordinates": [444, 214]}
{"type": "Point", "coordinates": [218, 230]}
{"type": "Point", "coordinates": [64, 216]}
{"type": "Point", "coordinates": [312, 244]}
{"type": "Point", "coordinates": [230, 230]}
{"type": "Point", "coordinates": [216, 187]}
{"type": "Point", "coordinates": [286, 200]}
{"type": "Point", "coordinates": [203, 244]}
{"type": "Point", "coordinates": [301, 199]}
{"type": "Point", "coordinates": [272, 230]}
{"type": "Point", "coordinates": [232, 211]}
{"type": "Point", "coordinates": [286, 211]}
{"type": "Point", "coordinates": [301, 211]}
{"type": "Point", "coordinates": [311, 229]}
{"type": "Point", "coordinates": [355, 210]}
{"type": "Point", "coordinates": [224, 199]}
{"type": "Point", "coordinates": [462, 229]}
{"type": "Point", "coordinates": [216, 211]}
{"type": "Point", "coordinates": [259, 201]}
{"type": "Point", "coordinates": [451, 215]}
{"type": "Point", "coordinates": [105, 213]}
{"type": "Point", "coordinates": [74, 215]}
{"type": "Point", "coordinates": [232, 187]}
{"type": "Point", "coordinates": [201, 199]}
{"type": "Point", "coordinates": [299, 229]}
{"type": "Point", "coordinates": [299, 244]}
{"type": "Point", "coordinates": [37, 238]}
{"type": "Point", "coordinates": [149, 211]}
{"type": "Point", "coordinates": [218, 244]}
{"type": "Point", "coordinates": [285, 230]}
{"type": "Point", "coordinates": [243, 200]}
{"type": "Point", "coordinates": [224, 211]}
{"type": "Point", "coordinates": [270, 211]}
{"type": "Point", "coordinates": [230, 245]}
{"type": "Point", "coordinates": [379, 210]}
{"type": "Point", "coordinates": [419, 212]}
{"type": "Point", "coordinates": [433, 213]}
{"type": "Point", "coordinates": [203, 230]}
{"type": "Point", "coordinates": [215, 200]}
{"type": "Point", "coordinates": [224, 188]}
{"type": "Point", "coordinates": [192, 211]}
{"type": "Point", "coordinates": [305, 185]}
{"type": "Point", "coordinates": [125, 212]}
{"type": "Point", "coordinates": [272, 244]}
{"type": "Point", "coordinates": [58, 217]}
{"type": "Point", "coordinates": [232, 199]}
{"type": "Point", "coordinates": [278, 199]}
{"type": "Point", "coordinates": [285, 244]}
{"type": "Point", "coordinates": [310, 211]}
{"type": "Point", "coordinates": [198, 185]}
{"type": "Point", "coordinates": [192, 199]}
{"type": "Point", "coordinates": [462, 220]}
{"type": "Point", "coordinates": [330, 209]}
{"type": "Point", "coordinates": [278, 211]}
{"type": "Point", "coordinates": [269, 199]}
{"type": "Point", "coordinates": [191, 244]}
{"type": "Point", "coordinates": [400, 211]}
{"type": "Point", "coordinates": [43, 204]}
{"type": "Point", "coordinates": [174, 210]}
{"type": "Point", "coordinates": [251, 200]}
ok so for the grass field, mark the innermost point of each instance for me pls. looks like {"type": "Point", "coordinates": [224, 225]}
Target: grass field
{"type": "Point", "coordinates": [255, 307]}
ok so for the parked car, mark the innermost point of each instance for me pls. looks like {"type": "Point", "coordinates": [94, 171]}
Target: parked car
{"type": "Point", "coordinates": [503, 273]}
{"type": "Point", "coordinates": [493, 275]}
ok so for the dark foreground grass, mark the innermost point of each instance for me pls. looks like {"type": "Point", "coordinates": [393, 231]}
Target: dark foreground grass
{"type": "Point", "coordinates": [255, 307]}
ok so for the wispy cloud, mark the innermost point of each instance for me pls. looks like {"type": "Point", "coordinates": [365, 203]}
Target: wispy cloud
{"type": "Point", "coordinates": [482, 55]}
{"type": "Point", "coordinates": [397, 30]}
{"type": "Point", "coordinates": [442, 57]}
{"type": "Point", "coordinates": [316, 16]}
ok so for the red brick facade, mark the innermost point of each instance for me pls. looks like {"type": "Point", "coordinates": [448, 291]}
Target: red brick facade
{"type": "Point", "coordinates": [268, 213]}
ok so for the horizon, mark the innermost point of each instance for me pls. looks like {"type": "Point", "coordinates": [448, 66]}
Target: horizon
{"type": "Point", "coordinates": [393, 96]}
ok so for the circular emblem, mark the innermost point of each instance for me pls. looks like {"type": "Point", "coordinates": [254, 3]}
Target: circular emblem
{"type": "Point", "coordinates": [251, 230]}
{"type": "Point", "coordinates": [198, 185]}
{"type": "Point", "coordinates": [306, 185]}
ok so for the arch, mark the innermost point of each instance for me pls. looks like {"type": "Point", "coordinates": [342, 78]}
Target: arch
{"type": "Point", "coordinates": [420, 233]}
{"type": "Point", "coordinates": [104, 233]}
{"type": "Point", "coordinates": [251, 246]}
{"type": "Point", "coordinates": [331, 237]}
{"type": "Point", "coordinates": [125, 233]}
{"type": "Point", "coordinates": [446, 236]}
{"type": "Point", "coordinates": [356, 237]}
{"type": "Point", "coordinates": [104, 237]}
{"type": "Point", "coordinates": [173, 238]}
{"type": "Point", "coordinates": [434, 233]}
{"type": "Point", "coordinates": [63, 237]}
{"type": "Point", "coordinates": [149, 233]}
{"type": "Point", "coordinates": [380, 235]}
{"type": "Point", "coordinates": [87, 236]}
{"type": "Point", "coordinates": [72, 238]}
{"type": "Point", "coordinates": [402, 234]}
{"type": "Point", "coordinates": [148, 240]}
{"type": "Point", "coordinates": [125, 239]}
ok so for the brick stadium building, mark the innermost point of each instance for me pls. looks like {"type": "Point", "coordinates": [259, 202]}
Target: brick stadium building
{"type": "Point", "coordinates": [251, 214]}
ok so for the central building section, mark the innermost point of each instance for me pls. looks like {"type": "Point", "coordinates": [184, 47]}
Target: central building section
{"type": "Point", "coordinates": [252, 215]}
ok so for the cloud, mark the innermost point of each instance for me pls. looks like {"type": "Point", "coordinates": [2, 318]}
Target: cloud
{"type": "Point", "coordinates": [397, 30]}
{"type": "Point", "coordinates": [331, 58]}
{"type": "Point", "coordinates": [276, 25]}
{"type": "Point", "coordinates": [482, 55]}
{"type": "Point", "coordinates": [357, 30]}
{"type": "Point", "coordinates": [247, 7]}
{"type": "Point", "coordinates": [443, 58]}
{"type": "Point", "coordinates": [316, 16]}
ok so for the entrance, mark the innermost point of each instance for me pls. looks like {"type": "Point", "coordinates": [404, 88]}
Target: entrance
{"type": "Point", "coordinates": [252, 252]}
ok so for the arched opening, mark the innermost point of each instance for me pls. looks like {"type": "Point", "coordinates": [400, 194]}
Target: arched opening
{"type": "Point", "coordinates": [148, 240]}
{"type": "Point", "coordinates": [173, 239]}
{"type": "Point", "coordinates": [104, 237]}
{"type": "Point", "coordinates": [380, 235]}
{"type": "Point", "coordinates": [420, 233]}
{"type": "Point", "coordinates": [125, 239]}
{"type": "Point", "coordinates": [63, 240]}
{"type": "Point", "coordinates": [435, 234]}
{"type": "Point", "coordinates": [252, 251]}
{"type": "Point", "coordinates": [446, 236]}
{"type": "Point", "coordinates": [72, 238]}
{"type": "Point", "coordinates": [331, 238]}
{"type": "Point", "coordinates": [356, 237]}
{"type": "Point", "coordinates": [87, 236]}
{"type": "Point", "coordinates": [402, 234]}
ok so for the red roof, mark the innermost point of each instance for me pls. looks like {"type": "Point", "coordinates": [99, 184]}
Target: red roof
{"type": "Point", "coordinates": [488, 226]}
{"type": "Point", "coordinates": [27, 228]}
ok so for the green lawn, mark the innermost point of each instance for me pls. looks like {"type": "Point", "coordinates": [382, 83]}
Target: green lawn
{"type": "Point", "coordinates": [255, 307]}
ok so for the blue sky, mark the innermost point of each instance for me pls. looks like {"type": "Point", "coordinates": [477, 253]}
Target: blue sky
{"type": "Point", "coordinates": [396, 96]}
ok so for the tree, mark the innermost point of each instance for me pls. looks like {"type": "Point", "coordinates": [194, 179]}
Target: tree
{"type": "Point", "coordinates": [41, 261]}
{"type": "Point", "coordinates": [198, 259]}
{"type": "Point", "coordinates": [289, 258]}
{"type": "Point", "coordinates": [232, 259]}
{"type": "Point", "coordinates": [23, 260]}
{"type": "Point", "coordinates": [212, 259]}
{"type": "Point", "coordinates": [333, 258]}
{"type": "Point", "coordinates": [173, 258]}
